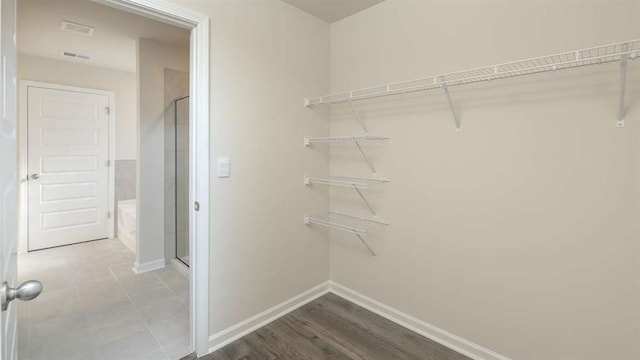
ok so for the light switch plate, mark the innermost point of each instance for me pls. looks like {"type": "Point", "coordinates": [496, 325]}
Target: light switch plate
{"type": "Point", "coordinates": [224, 167]}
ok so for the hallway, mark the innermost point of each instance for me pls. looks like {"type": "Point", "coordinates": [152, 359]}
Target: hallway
{"type": "Point", "coordinates": [93, 307]}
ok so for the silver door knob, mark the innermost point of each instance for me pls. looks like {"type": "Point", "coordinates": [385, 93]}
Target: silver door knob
{"type": "Point", "coordinates": [35, 176]}
{"type": "Point", "coordinates": [29, 290]}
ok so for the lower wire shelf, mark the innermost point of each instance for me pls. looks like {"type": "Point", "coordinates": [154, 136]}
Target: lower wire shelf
{"type": "Point", "coordinates": [348, 223]}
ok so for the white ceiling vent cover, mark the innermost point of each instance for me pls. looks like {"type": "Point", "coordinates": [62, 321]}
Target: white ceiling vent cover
{"type": "Point", "coordinates": [76, 28]}
{"type": "Point", "coordinates": [75, 55]}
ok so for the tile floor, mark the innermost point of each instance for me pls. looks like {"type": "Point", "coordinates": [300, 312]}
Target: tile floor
{"type": "Point", "coordinates": [94, 307]}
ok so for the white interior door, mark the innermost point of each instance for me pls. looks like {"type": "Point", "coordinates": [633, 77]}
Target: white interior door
{"type": "Point", "coordinates": [68, 166]}
{"type": "Point", "coordinates": [8, 174]}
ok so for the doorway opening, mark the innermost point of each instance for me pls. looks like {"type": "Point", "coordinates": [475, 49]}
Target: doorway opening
{"type": "Point", "coordinates": [126, 275]}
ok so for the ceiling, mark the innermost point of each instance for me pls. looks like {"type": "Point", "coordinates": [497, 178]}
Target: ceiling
{"type": "Point", "coordinates": [332, 10]}
{"type": "Point", "coordinates": [113, 44]}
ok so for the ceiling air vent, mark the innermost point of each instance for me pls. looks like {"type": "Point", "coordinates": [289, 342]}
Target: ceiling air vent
{"type": "Point", "coordinates": [75, 55]}
{"type": "Point", "coordinates": [76, 28]}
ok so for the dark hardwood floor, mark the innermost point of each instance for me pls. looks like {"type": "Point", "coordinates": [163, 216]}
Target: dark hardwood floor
{"type": "Point", "coordinates": [333, 328]}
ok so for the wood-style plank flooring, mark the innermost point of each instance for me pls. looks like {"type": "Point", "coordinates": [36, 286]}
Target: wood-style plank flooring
{"type": "Point", "coordinates": [333, 328]}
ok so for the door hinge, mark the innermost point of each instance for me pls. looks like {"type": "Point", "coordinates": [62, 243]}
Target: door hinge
{"type": "Point", "coordinates": [107, 109]}
{"type": "Point", "coordinates": [108, 163]}
{"type": "Point", "coordinates": [196, 206]}
{"type": "Point", "coordinates": [108, 214]}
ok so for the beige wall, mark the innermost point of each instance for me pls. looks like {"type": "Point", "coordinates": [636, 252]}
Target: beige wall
{"type": "Point", "coordinates": [521, 233]}
{"type": "Point", "coordinates": [153, 58]}
{"type": "Point", "coordinates": [266, 56]}
{"type": "Point", "coordinates": [120, 82]}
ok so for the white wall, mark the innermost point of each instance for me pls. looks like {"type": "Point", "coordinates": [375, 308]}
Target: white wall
{"type": "Point", "coordinates": [121, 82]}
{"type": "Point", "coordinates": [521, 233]}
{"type": "Point", "coordinates": [153, 58]}
{"type": "Point", "coordinates": [266, 56]}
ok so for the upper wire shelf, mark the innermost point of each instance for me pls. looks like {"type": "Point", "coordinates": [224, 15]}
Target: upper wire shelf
{"type": "Point", "coordinates": [571, 59]}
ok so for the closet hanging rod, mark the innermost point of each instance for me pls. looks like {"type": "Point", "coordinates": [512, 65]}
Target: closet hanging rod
{"type": "Point", "coordinates": [572, 59]}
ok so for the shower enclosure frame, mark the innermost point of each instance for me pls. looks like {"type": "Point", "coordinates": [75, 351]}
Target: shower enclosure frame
{"type": "Point", "coordinates": [175, 176]}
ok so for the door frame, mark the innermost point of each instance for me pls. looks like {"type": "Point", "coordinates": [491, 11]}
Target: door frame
{"type": "Point", "coordinates": [23, 152]}
{"type": "Point", "coordinates": [199, 148]}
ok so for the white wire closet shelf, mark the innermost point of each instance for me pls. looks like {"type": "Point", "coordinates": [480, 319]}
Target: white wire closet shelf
{"type": "Point", "coordinates": [571, 59]}
{"type": "Point", "coordinates": [355, 183]}
{"type": "Point", "coordinates": [359, 182]}
{"type": "Point", "coordinates": [357, 139]}
{"type": "Point", "coordinates": [338, 139]}
{"type": "Point", "coordinates": [348, 223]}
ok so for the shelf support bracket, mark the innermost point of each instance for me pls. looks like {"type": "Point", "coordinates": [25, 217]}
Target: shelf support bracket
{"type": "Point", "coordinates": [366, 158]}
{"type": "Point", "coordinates": [623, 86]}
{"type": "Point", "coordinates": [456, 118]}
{"type": "Point", "coordinates": [365, 244]}
{"type": "Point", "coordinates": [357, 116]}
{"type": "Point", "coordinates": [364, 199]}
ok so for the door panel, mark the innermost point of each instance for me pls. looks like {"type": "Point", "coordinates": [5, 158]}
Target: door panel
{"type": "Point", "coordinates": [68, 167]}
{"type": "Point", "coordinates": [8, 174]}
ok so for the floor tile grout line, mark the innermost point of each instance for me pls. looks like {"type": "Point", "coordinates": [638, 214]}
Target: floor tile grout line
{"type": "Point", "coordinates": [148, 327]}
{"type": "Point", "coordinates": [108, 264]}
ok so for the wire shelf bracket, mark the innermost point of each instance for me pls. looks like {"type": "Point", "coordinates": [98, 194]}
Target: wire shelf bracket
{"type": "Point", "coordinates": [456, 117]}
{"type": "Point", "coordinates": [623, 84]}
{"type": "Point", "coordinates": [346, 223]}
{"type": "Point", "coordinates": [622, 51]}
{"type": "Point", "coordinates": [354, 183]}
{"type": "Point", "coordinates": [354, 139]}
{"type": "Point", "coordinates": [358, 118]}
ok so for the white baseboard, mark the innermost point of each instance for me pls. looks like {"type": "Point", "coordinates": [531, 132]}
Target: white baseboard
{"type": "Point", "coordinates": [235, 332]}
{"type": "Point", "coordinates": [149, 266]}
{"type": "Point", "coordinates": [180, 268]}
{"type": "Point", "coordinates": [453, 342]}
{"type": "Point", "coordinates": [443, 337]}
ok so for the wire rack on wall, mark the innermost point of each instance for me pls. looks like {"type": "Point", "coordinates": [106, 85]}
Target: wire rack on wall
{"type": "Point", "coordinates": [622, 51]}
{"type": "Point", "coordinates": [355, 139]}
{"type": "Point", "coordinates": [355, 225]}
{"type": "Point", "coordinates": [337, 139]}
{"type": "Point", "coordinates": [355, 183]}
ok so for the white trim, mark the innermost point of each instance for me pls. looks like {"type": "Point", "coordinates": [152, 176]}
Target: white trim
{"type": "Point", "coordinates": [159, 10]}
{"type": "Point", "coordinates": [23, 190]}
{"type": "Point", "coordinates": [235, 332]}
{"type": "Point", "coordinates": [23, 213]}
{"type": "Point", "coordinates": [198, 152]}
{"type": "Point", "coordinates": [180, 268]}
{"type": "Point", "coordinates": [149, 266]}
{"type": "Point", "coordinates": [199, 222]}
{"type": "Point", "coordinates": [443, 337]}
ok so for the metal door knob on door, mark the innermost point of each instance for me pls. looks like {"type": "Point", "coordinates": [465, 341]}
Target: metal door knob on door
{"type": "Point", "coordinates": [29, 290]}
{"type": "Point", "coordinates": [35, 176]}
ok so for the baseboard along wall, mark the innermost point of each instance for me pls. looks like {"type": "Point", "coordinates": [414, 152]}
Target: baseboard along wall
{"type": "Point", "coordinates": [443, 337]}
